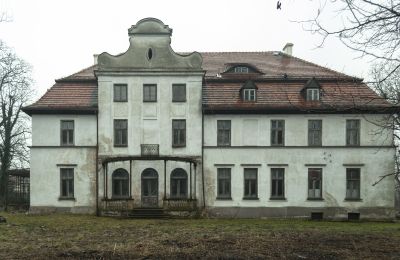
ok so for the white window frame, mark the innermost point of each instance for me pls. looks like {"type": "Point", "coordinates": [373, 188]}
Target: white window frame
{"type": "Point", "coordinates": [249, 94]}
{"type": "Point", "coordinates": [313, 94]}
{"type": "Point", "coordinates": [241, 69]}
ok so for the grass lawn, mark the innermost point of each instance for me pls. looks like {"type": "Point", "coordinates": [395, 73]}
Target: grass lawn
{"type": "Point", "coordinates": [81, 237]}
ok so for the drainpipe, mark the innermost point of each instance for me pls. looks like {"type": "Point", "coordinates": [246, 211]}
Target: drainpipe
{"type": "Point", "coordinates": [202, 157]}
{"type": "Point", "coordinates": [97, 166]}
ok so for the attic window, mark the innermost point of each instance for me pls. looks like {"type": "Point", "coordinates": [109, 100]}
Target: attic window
{"type": "Point", "coordinates": [249, 95]}
{"type": "Point", "coordinates": [241, 69]}
{"type": "Point", "coordinates": [313, 94]}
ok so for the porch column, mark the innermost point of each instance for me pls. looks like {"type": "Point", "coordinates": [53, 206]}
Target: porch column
{"type": "Point", "coordinates": [165, 179]}
{"type": "Point", "coordinates": [130, 179]}
{"type": "Point", "coordinates": [195, 177]}
{"type": "Point", "coordinates": [190, 179]}
{"type": "Point", "coordinates": [106, 181]}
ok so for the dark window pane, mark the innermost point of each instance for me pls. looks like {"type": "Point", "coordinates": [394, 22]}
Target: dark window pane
{"type": "Point", "coordinates": [224, 182]}
{"type": "Point", "coordinates": [178, 92]}
{"type": "Point", "coordinates": [353, 132]}
{"type": "Point", "coordinates": [250, 180]}
{"type": "Point", "coordinates": [67, 132]}
{"type": "Point", "coordinates": [277, 182]}
{"type": "Point", "coordinates": [178, 133]}
{"type": "Point", "coordinates": [120, 132]}
{"type": "Point", "coordinates": [223, 132]}
{"type": "Point", "coordinates": [120, 92]}
{"type": "Point", "coordinates": [277, 132]}
{"type": "Point", "coordinates": [67, 182]}
{"type": "Point", "coordinates": [150, 93]}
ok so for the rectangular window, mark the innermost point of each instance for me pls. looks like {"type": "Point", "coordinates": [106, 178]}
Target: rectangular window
{"type": "Point", "coordinates": [278, 132]}
{"type": "Point", "coordinates": [277, 183]}
{"type": "Point", "coordinates": [249, 95]}
{"type": "Point", "coordinates": [241, 70]}
{"type": "Point", "coordinates": [250, 183]}
{"type": "Point", "coordinates": [149, 93]}
{"type": "Point", "coordinates": [179, 93]}
{"type": "Point", "coordinates": [224, 183]}
{"type": "Point", "coordinates": [353, 183]}
{"type": "Point", "coordinates": [353, 132]}
{"type": "Point", "coordinates": [120, 93]}
{"type": "Point", "coordinates": [120, 132]}
{"type": "Point", "coordinates": [312, 94]}
{"type": "Point", "coordinates": [178, 133]}
{"type": "Point", "coordinates": [314, 183]}
{"type": "Point", "coordinates": [224, 132]}
{"type": "Point", "coordinates": [67, 183]}
{"type": "Point", "coordinates": [314, 132]}
{"type": "Point", "coordinates": [67, 132]}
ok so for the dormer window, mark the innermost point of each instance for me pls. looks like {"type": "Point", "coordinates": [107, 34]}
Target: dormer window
{"type": "Point", "coordinates": [313, 94]}
{"type": "Point", "coordinates": [249, 91]}
{"type": "Point", "coordinates": [311, 90]}
{"type": "Point", "coordinates": [241, 69]}
{"type": "Point", "coordinates": [249, 95]}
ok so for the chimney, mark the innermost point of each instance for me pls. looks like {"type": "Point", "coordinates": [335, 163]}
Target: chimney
{"type": "Point", "coordinates": [95, 56]}
{"type": "Point", "coordinates": [288, 49]}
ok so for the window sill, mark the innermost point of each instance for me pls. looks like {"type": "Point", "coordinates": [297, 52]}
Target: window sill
{"type": "Point", "coordinates": [279, 198]}
{"type": "Point", "coordinates": [315, 199]}
{"type": "Point", "coordinates": [149, 101]}
{"type": "Point", "coordinates": [178, 101]}
{"type": "Point", "coordinates": [121, 101]}
{"type": "Point", "coordinates": [121, 146]}
{"type": "Point", "coordinates": [178, 146]}
{"type": "Point", "coordinates": [121, 198]}
{"type": "Point", "coordinates": [223, 198]}
{"type": "Point", "coordinates": [67, 145]}
{"type": "Point", "coordinates": [223, 145]}
{"type": "Point", "coordinates": [278, 145]}
{"type": "Point", "coordinates": [67, 198]}
{"type": "Point", "coordinates": [251, 198]}
{"type": "Point", "coordinates": [351, 199]}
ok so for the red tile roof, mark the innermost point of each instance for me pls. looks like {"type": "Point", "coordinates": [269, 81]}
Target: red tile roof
{"type": "Point", "coordinates": [78, 92]}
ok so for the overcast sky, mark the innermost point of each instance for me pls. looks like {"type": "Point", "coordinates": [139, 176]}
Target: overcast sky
{"type": "Point", "coordinates": [59, 38]}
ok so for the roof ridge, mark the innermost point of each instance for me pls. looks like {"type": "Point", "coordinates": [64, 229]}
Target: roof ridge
{"type": "Point", "coordinates": [69, 76]}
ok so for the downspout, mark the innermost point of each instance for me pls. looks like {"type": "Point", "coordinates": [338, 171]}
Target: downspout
{"type": "Point", "coordinates": [97, 165]}
{"type": "Point", "coordinates": [202, 157]}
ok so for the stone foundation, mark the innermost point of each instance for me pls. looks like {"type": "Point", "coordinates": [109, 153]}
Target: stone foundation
{"type": "Point", "coordinates": [50, 210]}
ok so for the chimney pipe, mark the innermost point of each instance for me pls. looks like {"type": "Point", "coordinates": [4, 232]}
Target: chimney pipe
{"type": "Point", "coordinates": [288, 49]}
{"type": "Point", "coordinates": [95, 56]}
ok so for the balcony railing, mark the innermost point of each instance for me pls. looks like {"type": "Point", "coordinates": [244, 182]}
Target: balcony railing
{"type": "Point", "coordinates": [180, 204]}
{"type": "Point", "coordinates": [117, 204]}
{"type": "Point", "coordinates": [149, 149]}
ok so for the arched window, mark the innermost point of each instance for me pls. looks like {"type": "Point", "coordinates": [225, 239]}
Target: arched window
{"type": "Point", "coordinates": [120, 183]}
{"type": "Point", "coordinates": [179, 183]}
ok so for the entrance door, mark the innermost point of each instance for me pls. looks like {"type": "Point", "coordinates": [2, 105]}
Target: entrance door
{"type": "Point", "coordinates": [150, 188]}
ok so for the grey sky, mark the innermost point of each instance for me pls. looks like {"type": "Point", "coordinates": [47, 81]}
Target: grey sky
{"type": "Point", "coordinates": [60, 37]}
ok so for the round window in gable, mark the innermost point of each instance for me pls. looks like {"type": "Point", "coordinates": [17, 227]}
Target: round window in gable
{"type": "Point", "coordinates": [150, 53]}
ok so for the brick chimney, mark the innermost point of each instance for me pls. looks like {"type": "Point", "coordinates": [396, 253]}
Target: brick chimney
{"type": "Point", "coordinates": [288, 49]}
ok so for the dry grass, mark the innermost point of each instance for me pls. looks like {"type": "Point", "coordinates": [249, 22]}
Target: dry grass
{"type": "Point", "coordinates": [89, 237]}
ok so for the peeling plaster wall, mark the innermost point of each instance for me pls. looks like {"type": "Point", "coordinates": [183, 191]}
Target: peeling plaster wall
{"type": "Point", "coordinates": [375, 162]}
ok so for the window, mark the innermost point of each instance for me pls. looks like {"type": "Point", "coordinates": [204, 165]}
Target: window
{"type": "Point", "coordinates": [249, 94]}
{"type": "Point", "coordinates": [179, 183]}
{"type": "Point", "coordinates": [120, 93]}
{"type": "Point", "coordinates": [250, 183]}
{"type": "Point", "coordinates": [277, 183]}
{"type": "Point", "coordinates": [224, 132]}
{"type": "Point", "coordinates": [67, 132]}
{"type": "Point", "coordinates": [120, 132]}
{"type": "Point", "coordinates": [312, 94]}
{"type": "Point", "coordinates": [178, 93]}
{"type": "Point", "coordinates": [278, 132]}
{"type": "Point", "coordinates": [67, 183]}
{"type": "Point", "coordinates": [241, 69]}
{"type": "Point", "coordinates": [352, 183]}
{"type": "Point", "coordinates": [149, 93]}
{"type": "Point", "coordinates": [178, 133]}
{"type": "Point", "coordinates": [353, 132]}
{"type": "Point", "coordinates": [314, 132]}
{"type": "Point", "coordinates": [314, 183]}
{"type": "Point", "coordinates": [224, 183]}
{"type": "Point", "coordinates": [120, 184]}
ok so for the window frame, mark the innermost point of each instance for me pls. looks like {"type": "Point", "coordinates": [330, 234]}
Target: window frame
{"type": "Point", "coordinates": [178, 180]}
{"type": "Point", "coordinates": [120, 129]}
{"type": "Point", "coordinates": [120, 86]}
{"type": "Point", "coordinates": [223, 195]}
{"type": "Point", "coordinates": [250, 196]}
{"type": "Point", "coordinates": [313, 94]}
{"type": "Point", "coordinates": [174, 97]}
{"type": "Point", "coordinates": [241, 69]}
{"type": "Point", "coordinates": [311, 131]}
{"type": "Point", "coordinates": [68, 195]}
{"type": "Point", "coordinates": [121, 184]}
{"type": "Point", "coordinates": [353, 180]}
{"type": "Point", "coordinates": [320, 180]}
{"type": "Point", "coordinates": [151, 99]}
{"type": "Point", "coordinates": [221, 130]}
{"type": "Point", "coordinates": [275, 196]}
{"type": "Point", "coordinates": [274, 137]}
{"type": "Point", "coordinates": [350, 130]}
{"type": "Point", "coordinates": [68, 134]}
{"type": "Point", "coordinates": [175, 144]}
{"type": "Point", "coordinates": [249, 94]}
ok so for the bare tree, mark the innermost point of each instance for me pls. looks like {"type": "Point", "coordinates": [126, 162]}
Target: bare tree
{"type": "Point", "coordinates": [15, 92]}
{"type": "Point", "coordinates": [370, 27]}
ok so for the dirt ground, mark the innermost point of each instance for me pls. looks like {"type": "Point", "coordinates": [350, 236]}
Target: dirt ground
{"type": "Point", "coordinates": [88, 237]}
